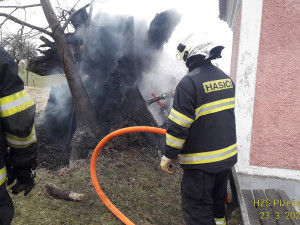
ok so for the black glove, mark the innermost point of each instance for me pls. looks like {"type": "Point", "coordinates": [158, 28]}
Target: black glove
{"type": "Point", "coordinates": [24, 176]}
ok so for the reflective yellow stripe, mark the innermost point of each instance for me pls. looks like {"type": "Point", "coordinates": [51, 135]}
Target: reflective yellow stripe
{"type": "Point", "coordinates": [180, 119]}
{"type": "Point", "coordinates": [15, 103]}
{"type": "Point", "coordinates": [174, 141]}
{"type": "Point", "coordinates": [208, 157]}
{"type": "Point", "coordinates": [220, 221]}
{"type": "Point", "coordinates": [214, 107]}
{"type": "Point", "coordinates": [3, 175]}
{"type": "Point", "coordinates": [21, 142]}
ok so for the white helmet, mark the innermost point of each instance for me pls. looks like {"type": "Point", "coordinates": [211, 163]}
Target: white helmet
{"type": "Point", "coordinates": [198, 45]}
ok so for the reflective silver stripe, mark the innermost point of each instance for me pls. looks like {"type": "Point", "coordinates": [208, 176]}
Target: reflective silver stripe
{"type": "Point", "coordinates": [11, 142]}
{"type": "Point", "coordinates": [3, 175]}
{"type": "Point", "coordinates": [208, 157]}
{"type": "Point", "coordinates": [213, 107]}
{"type": "Point", "coordinates": [174, 142]}
{"type": "Point", "coordinates": [21, 142]}
{"type": "Point", "coordinates": [180, 118]}
{"type": "Point", "coordinates": [15, 103]}
{"type": "Point", "coordinates": [220, 221]}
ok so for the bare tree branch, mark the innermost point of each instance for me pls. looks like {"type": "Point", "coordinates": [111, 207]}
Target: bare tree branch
{"type": "Point", "coordinates": [30, 34]}
{"type": "Point", "coordinates": [6, 18]}
{"type": "Point", "coordinates": [74, 14]}
{"type": "Point", "coordinates": [21, 6]}
{"type": "Point", "coordinates": [16, 20]}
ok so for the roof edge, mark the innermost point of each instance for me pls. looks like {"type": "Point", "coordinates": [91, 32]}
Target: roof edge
{"type": "Point", "coordinates": [228, 10]}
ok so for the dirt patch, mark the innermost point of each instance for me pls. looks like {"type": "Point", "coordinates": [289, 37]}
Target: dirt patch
{"type": "Point", "coordinates": [40, 97]}
{"type": "Point", "coordinates": [55, 153]}
{"type": "Point", "coordinates": [52, 154]}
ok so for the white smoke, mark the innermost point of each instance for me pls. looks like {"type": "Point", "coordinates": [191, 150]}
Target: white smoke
{"type": "Point", "coordinates": [165, 72]}
{"type": "Point", "coordinates": [163, 77]}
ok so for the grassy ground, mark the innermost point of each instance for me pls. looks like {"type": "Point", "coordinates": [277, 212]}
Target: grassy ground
{"type": "Point", "coordinates": [40, 81]}
{"type": "Point", "coordinates": [131, 179]}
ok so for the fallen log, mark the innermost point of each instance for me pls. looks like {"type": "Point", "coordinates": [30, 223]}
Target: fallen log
{"type": "Point", "coordinates": [64, 194]}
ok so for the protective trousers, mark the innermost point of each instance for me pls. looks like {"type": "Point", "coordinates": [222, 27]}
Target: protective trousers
{"type": "Point", "coordinates": [6, 206]}
{"type": "Point", "coordinates": [203, 197]}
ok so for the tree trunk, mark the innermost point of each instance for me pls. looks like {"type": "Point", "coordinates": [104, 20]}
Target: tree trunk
{"type": "Point", "coordinates": [84, 110]}
{"type": "Point", "coordinates": [115, 59]}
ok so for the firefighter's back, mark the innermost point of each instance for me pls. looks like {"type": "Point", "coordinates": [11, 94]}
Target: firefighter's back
{"type": "Point", "coordinates": [211, 144]}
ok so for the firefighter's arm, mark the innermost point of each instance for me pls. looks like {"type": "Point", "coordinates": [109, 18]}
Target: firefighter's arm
{"type": "Point", "coordinates": [180, 119]}
{"type": "Point", "coordinates": [17, 111]}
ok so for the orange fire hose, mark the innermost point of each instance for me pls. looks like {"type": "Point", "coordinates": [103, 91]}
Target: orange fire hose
{"type": "Point", "coordinates": [96, 152]}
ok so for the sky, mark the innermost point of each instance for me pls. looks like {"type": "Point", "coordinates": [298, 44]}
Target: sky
{"type": "Point", "coordinates": [197, 16]}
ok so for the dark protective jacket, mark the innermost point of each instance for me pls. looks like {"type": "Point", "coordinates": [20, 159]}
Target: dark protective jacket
{"type": "Point", "coordinates": [17, 112]}
{"type": "Point", "coordinates": [201, 125]}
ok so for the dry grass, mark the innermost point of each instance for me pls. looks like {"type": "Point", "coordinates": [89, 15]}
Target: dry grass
{"type": "Point", "coordinates": [132, 181]}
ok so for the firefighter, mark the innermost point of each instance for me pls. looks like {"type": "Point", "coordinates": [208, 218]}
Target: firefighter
{"type": "Point", "coordinates": [201, 133]}
{"type": "Point", "coordinates": [18, 150]}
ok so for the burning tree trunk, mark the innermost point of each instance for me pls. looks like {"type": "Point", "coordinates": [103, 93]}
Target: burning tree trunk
{"type": "Point", "coordinates": [112, 67]}
{"type": "Point", "coordinates": [85, 113]}
{"type": "Point", "coordinates": [125, 105]}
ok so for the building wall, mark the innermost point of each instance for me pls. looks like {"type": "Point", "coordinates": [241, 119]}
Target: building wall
{"type": "Point", "coordinates": [266, 74]}
{"type": "Point", "coordinates": [276, 125]}
{"type": "Point", "coordinates": [235, 43]}
{"type": "Point", "coordinates": [246, 78]}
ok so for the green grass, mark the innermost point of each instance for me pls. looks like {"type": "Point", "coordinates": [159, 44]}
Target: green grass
{"type": "Point", "coordinates": [35, 80]}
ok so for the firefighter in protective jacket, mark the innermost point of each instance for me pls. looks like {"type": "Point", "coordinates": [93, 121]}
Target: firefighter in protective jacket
{"type": "Point", "coordinates": [18, 151]}
{"type": "Point", "coordinates": [201, 133]}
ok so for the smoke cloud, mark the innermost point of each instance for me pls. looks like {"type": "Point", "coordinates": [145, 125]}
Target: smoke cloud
{"type": "Point", "coordinates": [105, 41]}
{"type": "Point", "coordinates": [156, 72]}
{"type": "Point", "coordinates": [163, 77]}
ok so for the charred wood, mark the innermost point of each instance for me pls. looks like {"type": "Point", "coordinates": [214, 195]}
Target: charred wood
{"type": "Point", "coordinates": [158, 33]}
{"type": "Point", "coordinates": [45, 65]}
{"type": "Point", "coordinates": [48, 43]}
{"type": "Point", "coordinates": [162, 27]}
{"type": "Point", "coordinates": [112, 67]}
{"type": "Point", "coordinates": [79, 18]}
{"type": "Point", "coordinates": [49, 63]}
